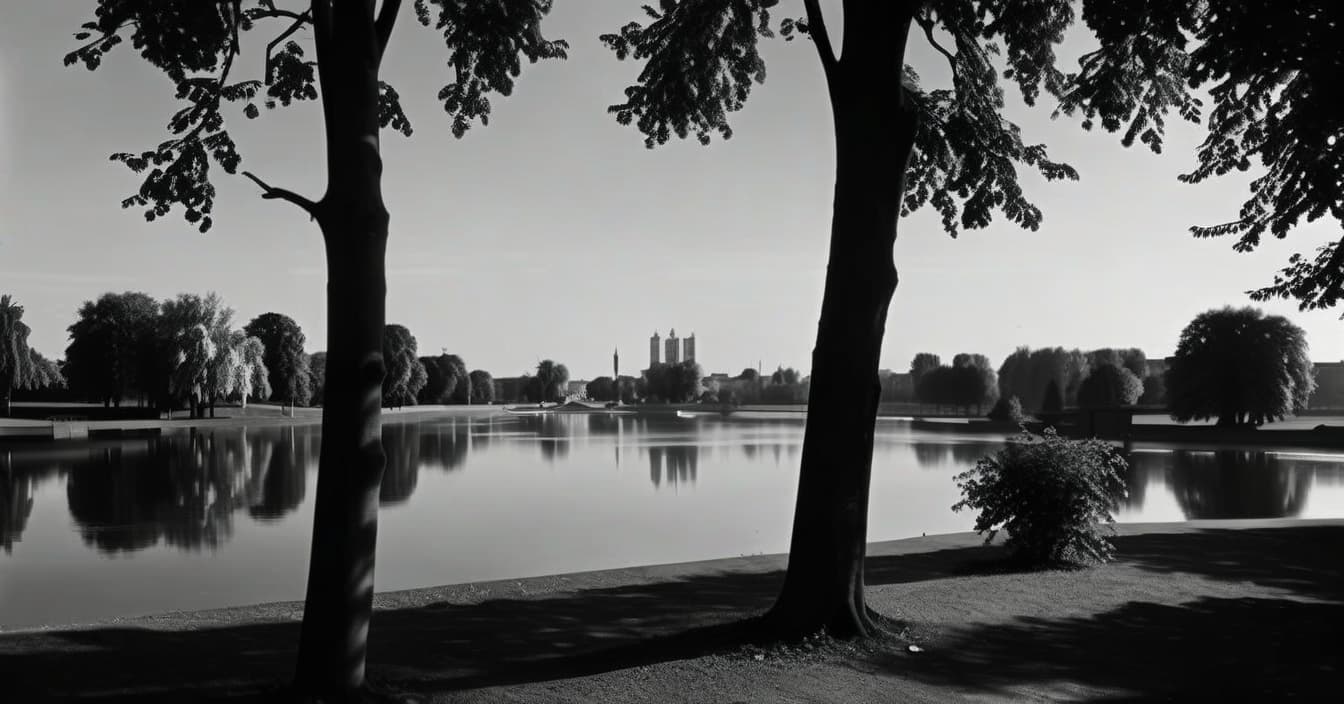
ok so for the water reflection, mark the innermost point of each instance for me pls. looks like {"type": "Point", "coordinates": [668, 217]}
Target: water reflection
{"type": "Point", "coordinates": [16, 505]}
{"type": "Point", "coordinates": [182, 489]}
{"type": "Point", "coordinates": [961, 453]}
{"type": "Point", "coordinates": [1228, 483]}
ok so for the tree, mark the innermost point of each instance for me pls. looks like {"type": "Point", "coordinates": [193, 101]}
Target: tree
{"type": "Point", "coordinates": [482, 386]}
{"type": "Point", "coordinates": [195, 44]}
{"type": "Point", "coordinates": [1052, 403]}
{"type": "Point", "coordinates": [317, 365]}
{"type": "Point", "coordinates": [191, 331]}
{"type": "Point", "coordinates": [286, 364]}
{"type": "Point", "coordinates": [982, 390]}
{"type": "Point", "coordinates": [923, 363]}
{"type": "Point", "coordinates": [405, 374]}
{"type": "Point", "coordinates": [16, 370]}
{"type": "Point", "coordinates": [601, 389]}
{"type": "Point", "coordinates": [749, 374]}
{"type": "Point", "coordinates": [460, 393]}
{"type": "Point", "coordinates": [1154, 391]}
{"type": "Point", "coordinates": [784, 376]}
{"type": "Point", "coordinates": [439, 380]}
{"type": "Point", "coordinates": [1241, 367]}
{"type": "Point", "coordinates": [1109, 386]}
{"type": "Point", "coordinates": [675, 383]}
{"type": "Point", "coordinates": [107, 344]}
{"type": "Point", "coordinates": [898, 148]}
{"type": "Point", "coordinates": [548, 385]}
{"type": "Point", "coordinates": [46, 373]}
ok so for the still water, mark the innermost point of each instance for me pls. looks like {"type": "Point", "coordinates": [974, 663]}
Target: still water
{"type": "Point", "coordinates": [106, 528]}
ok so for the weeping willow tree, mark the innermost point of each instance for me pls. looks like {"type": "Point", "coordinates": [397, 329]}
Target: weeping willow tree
{"type": "Point", "coordinates": [902, 145]}
{"type": "Point", "coordinates": [16, 361]}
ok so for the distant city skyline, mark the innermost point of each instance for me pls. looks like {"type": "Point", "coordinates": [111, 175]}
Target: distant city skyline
{"type": "Point", "coordinates": [554, 234]}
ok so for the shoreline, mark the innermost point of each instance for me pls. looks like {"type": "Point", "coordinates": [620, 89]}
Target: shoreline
{"type": "Point", "coordinates": [1207, 610]}
{"type": "Point", "coordinates": [539, 585]}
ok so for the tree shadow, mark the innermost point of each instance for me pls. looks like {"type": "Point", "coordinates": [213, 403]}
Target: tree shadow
{"type": "Point", "coordinates": [496, 634]}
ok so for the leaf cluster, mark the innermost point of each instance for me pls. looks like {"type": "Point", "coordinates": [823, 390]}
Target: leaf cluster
{"type": "Point", "coordinates": [487, 41]}
{"type": "Point", "coordinates": [1054, 496]}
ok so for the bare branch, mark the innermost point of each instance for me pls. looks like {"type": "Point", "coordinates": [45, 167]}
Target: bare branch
{"type": "Point", "coordinates": [927, 24]}
{"type": "Point", "coordinates": [816, 26]}
{"type": "Point", "coordinates": [387, 18]}
{"type": "Point", "coordinates": [270, 192]}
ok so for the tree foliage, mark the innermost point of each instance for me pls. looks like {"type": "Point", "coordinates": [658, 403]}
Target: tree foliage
{"type": "Point", "coordinates": [1054, 497]}
{"type": "Point", "coordinates": [111, 347]}
{"type": "Point", "coordinates": [1240, 366]}
{"type": "Point", "coordinates": [549, 384]}
{"type": "Point", "coordinates": [446, 380]}
{"type": "Point", "coordinates": [674, 383]}
{"type": "Point", "coordinates": [482, 386]}
{"type": "Point", "coordinates": [405, 374]}
{"type": "Point", "coordinates": [1271, 70]}
{"type": "Point", "coordinates": [1109, 386]}
{"type": "Point", "coordinates": [602, 388]}
{"type": "Point", "coordinates": [16, 362]}
{"type": "Point", "coordinates": [285, 361]}
{"type": "Point", "coordinates": [701, 58]}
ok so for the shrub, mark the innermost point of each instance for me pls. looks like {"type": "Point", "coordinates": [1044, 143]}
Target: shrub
{"type": "Point", "coordinates": [1008, 409]}
{"type": "Point", "coordinates": [1051, 494]}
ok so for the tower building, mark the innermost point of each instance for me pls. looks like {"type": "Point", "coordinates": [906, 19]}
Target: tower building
{"type": "Point", "coordinates": [672, 348]}
{"type": "Point", "coordinates": [688, 348]}
{"type": "Point", "coordinates": [654, 349]}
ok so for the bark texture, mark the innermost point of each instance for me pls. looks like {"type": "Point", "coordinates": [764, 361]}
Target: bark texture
{"type": "Point", "coordinates": [354, 223]}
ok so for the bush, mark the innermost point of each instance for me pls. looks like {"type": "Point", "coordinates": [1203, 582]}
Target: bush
{"type": "Point", "coordinates": [1008, 409]}
{"type": "Point", "coordinates": [1051, 494]}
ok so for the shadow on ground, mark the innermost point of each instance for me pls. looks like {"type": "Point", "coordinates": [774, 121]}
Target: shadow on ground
{"type": "Point", "coordinates": [1208, 645]}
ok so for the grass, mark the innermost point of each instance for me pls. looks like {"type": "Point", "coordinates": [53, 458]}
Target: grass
{"type": "Point", "coordinates": [1207, 610]}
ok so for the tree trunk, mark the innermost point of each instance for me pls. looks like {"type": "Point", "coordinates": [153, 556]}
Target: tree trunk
{"type": "Point", "coordinates": [354, 224]}
{"type": "Point", "coordinates": [875, 131]}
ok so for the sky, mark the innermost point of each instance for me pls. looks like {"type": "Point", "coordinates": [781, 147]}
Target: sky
{"type": "Point", "coordinates": [553, 233]}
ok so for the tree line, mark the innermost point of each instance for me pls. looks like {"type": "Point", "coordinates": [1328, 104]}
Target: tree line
{"type": "Point", "coordinates": [1236, 365]}
{"type": "Point", "coordinates": [900, 146]}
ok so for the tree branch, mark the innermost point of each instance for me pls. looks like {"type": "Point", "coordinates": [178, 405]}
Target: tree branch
{"type": "Point", "coordinates": [301, 20]}
{"type": "Point", "coordinates": [270, 192]}
{"type": "Point", "coordinates": [272, 11]}
{"type": "Point", "coordinates": [927, 24]}
{"type": "Point", "coordinates": [816, 26]}
{"type": "Point", "coordinates": [387, 18]}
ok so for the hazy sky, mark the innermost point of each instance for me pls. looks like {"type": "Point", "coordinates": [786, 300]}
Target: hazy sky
{"type": "Point", "coordinates": [553, 233]}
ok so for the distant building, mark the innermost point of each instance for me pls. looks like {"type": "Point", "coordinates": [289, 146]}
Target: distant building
{"type": "Point", "coordinates": [576, 390]}
{"type": "Point", "coordinates": [672, 348]}
{"type": "Point", "coordinates": [654, 349]}
{"type": "Point", "coordinates": [688, 347]}
{"type": "Point", "coordinates": [1156, 367]}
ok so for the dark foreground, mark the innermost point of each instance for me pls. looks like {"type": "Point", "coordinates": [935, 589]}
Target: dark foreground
{"type": "Point", "coordinates": [1221, 610]}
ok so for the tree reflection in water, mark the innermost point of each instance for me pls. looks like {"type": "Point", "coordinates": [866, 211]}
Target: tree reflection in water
{"type": "Point", "coordinates": [16, 502]}
{"type": "Point", "coordinates": [1238, 484]}
{"type": "Point", "coordinates": [183, 488]}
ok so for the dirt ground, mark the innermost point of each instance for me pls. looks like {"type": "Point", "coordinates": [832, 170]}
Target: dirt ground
{"type": "Point", "coordinates": [1223, 610]}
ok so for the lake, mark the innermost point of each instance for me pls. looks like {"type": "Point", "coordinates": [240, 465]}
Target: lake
{"type": "Point", "coordinates": [105, 528]}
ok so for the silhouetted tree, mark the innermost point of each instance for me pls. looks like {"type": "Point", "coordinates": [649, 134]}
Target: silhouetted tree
{"type": "Point", "coordinates": [286, 364]}
{"type": "Point", "coordinates": [601, 389]}
{"type": "Point", "coordinates": [109, 346]}
{"type": "Point", "coordinates": [1052, 403]}
{"type": "Point", "coordinates": [1154, 391]}
{"type": "Point", "coordinates": [923, 363]}
{"type": "Point", "coordinates": [982, 390]}
{"type": "Point", "coordinates": [549, 383]}
{"type": "Point", "coordinates": [445, 380]}
{"type": "Point", "coordinates": [1241, 367]}
{"type": "Point", "coordinates": [196, 44]}
{"type": "Point", "coordinates": [675, 383]}
{"type": "Point", "coordinates": [749, 374]}
{"type": "Point", "coordinates": [1271, 69]}
{"type": "Point", "coordinates": [482, 386]}
{"type": "Point", "coordinates": [1109, 386]}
